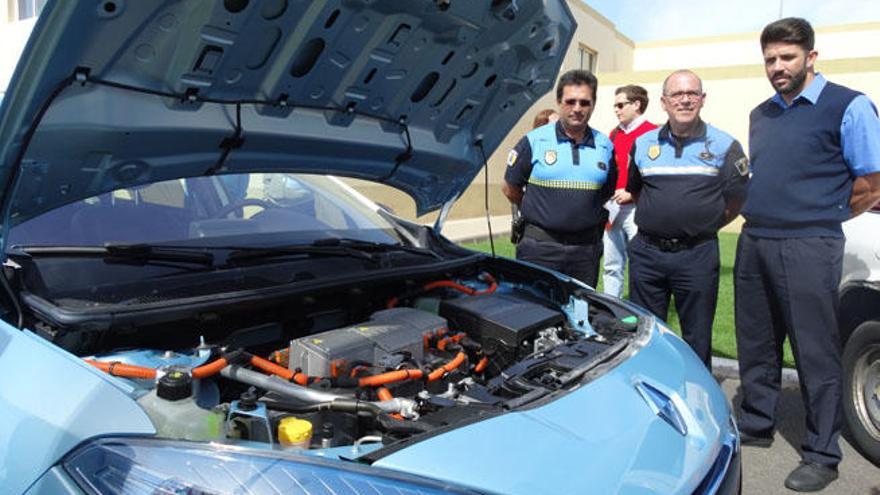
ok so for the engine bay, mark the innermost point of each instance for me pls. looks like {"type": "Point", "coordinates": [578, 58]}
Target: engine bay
{"type": "Point", "coordinates": [380, 364]}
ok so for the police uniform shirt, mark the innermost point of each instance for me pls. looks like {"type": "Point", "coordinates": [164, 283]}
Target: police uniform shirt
{"type": "Point", "coordinates": [566, 182]}
{"type": "Point", "coordinates": [683, 185]}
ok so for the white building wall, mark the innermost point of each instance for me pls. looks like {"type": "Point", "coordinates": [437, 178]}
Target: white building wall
{"type": "Point", "coordinates": [836, 42]}
{"type": "Point", "coordinates": [13, 37]}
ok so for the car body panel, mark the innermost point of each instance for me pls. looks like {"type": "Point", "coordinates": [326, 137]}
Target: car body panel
{"type": "Point", "coordinates": [861, 259]}
{"type": "Point", "coordinates": [52, 401]}
{"type": "Point", "coordinates": [457, 76]}
{"type": "Point", "coordinates": [543, 450]}
{"type": "Point", "coordinates": [55, 482]}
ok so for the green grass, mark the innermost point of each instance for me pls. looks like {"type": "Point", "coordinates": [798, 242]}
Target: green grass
{"type": "Point", "coordinates": [723, 333]}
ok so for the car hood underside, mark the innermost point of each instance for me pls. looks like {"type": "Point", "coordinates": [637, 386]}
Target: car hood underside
{"type": "Point", "coordinates": [116, 93]}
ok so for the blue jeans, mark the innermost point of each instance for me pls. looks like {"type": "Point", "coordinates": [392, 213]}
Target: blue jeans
{"type": "Point", "coordinates": [616, 240]}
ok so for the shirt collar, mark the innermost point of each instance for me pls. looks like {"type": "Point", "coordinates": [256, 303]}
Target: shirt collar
{"type": "Point", "coordinates": [588, 135]}
{"type": "Point", "coordinates": [810, 93]}
{"type": "Point", "coordinates": [666, 133]}
{"type": "Point", "coordinates": [633, 125]}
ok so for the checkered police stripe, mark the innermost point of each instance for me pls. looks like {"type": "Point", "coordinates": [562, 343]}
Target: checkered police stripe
{"type": "Point", "coordinates": [686, 170]}
{"type": "Point", "coordinates": [566, 184]}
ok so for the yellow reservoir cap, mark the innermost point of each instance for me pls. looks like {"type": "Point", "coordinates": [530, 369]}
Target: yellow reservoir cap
{"type": "Point", "coordinates": [294, 431]}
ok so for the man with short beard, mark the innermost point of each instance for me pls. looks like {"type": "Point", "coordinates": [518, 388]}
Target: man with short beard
{"type": "Point", "coordinates": [815, 157]}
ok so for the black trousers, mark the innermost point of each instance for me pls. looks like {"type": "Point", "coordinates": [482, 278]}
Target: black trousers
{"type": "Point", "coordinates": [690, 276]}
{"type": "Point", "coordinates": [580, 261]}
{"type": "Point", "coordinates": [789, 287]}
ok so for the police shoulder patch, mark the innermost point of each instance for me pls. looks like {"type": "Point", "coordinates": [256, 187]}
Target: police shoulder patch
{"type": "Point", "coordinates": [511, 158]}
{"type": "Point", "coordinates": [742, 166]}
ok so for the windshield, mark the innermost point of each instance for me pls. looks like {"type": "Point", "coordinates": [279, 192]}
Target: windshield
{"type": "Point", "coordinates": [241, 210]}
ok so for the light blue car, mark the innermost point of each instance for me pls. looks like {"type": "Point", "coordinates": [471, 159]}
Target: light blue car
{"type": "Point", "coordinates": [194, 303]}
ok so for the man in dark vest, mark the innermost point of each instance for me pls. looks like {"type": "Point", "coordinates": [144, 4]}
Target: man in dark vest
{"type": "Point", "coordinates": [815, 158]}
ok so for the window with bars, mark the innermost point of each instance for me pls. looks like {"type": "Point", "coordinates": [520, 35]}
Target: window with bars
{"type": "Point", "coordinates": [25, 9]}
{"type": "Point", "coordinates": [587, 58]}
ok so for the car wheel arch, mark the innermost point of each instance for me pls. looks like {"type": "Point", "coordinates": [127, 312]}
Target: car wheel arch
{"type": "Point", "coordinates": [859, 302]}
{"type": "Point", "coordinates": [863, 425]}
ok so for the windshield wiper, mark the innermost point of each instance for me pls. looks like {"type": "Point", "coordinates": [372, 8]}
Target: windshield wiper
{"type": "Point", "coordinates": [255, 253]}
{"type": "Point", "coordinates": [379, 247]}
{"type": "Point", "coordinates": [332, 246]}
{"type": "Point", "coordinates": [126, 253]}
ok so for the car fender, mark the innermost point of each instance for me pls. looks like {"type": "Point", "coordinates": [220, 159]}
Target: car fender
{"type": "Point", "coordinates": [51, 401]}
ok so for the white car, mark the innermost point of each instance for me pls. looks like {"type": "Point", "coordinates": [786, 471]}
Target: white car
{"type": "Point", "coordinates": [860, 332]}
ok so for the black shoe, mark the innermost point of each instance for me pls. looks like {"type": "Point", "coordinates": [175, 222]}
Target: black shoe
{"type": "Point", "coordinates": [810, 477]}
{"type": "Point", "coordinates": [760, 441]}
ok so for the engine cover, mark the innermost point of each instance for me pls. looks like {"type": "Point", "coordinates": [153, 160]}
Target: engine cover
{"type": "Point", "coordinates": [502, 323]}
{"type": "Point", "coordinates": [389, 332]}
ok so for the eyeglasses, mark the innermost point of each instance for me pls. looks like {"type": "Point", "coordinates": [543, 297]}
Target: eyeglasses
{"type": "Point", "coordinates": [622, 104]}
{"type": "Point", "coordinates": [684, 95]}
{"type": "Point", "coordinates": [583, 102]}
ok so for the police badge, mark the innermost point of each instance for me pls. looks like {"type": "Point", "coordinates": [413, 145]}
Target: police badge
{"type": "Point", "coordinates": [602, 166]}
{"type": "Point", "coordinates": [654, 151]}
{"type": "Point", "coordinates": [550, 157]}
{"type": "Point", "coordinates": [511, 158]}
{"type": "Point", "coordinates": [742, 166]}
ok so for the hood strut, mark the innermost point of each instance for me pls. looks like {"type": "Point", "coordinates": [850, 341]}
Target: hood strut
{"type": "Point", "coordinates": [11, 183]}
{"type": "Point", "coordinates": [486, 194]}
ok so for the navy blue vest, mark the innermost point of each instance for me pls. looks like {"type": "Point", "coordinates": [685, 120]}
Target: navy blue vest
{"type": "Point", "coordinates": [800, 185]}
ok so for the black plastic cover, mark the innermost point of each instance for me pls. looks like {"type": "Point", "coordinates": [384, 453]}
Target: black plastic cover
{"type": "Point", "coordinates": [499, 319]}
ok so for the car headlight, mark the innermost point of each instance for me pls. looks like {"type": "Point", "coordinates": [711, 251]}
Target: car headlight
{"type": "Point", "coordinates": [146, 466]}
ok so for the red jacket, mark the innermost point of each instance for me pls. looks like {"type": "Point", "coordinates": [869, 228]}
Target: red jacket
{"type": "Point", "coordinates": [622, 144]}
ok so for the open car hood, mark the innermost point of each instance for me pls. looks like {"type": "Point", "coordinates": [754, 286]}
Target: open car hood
{"type": "Point", "coordinates": [116, 93]}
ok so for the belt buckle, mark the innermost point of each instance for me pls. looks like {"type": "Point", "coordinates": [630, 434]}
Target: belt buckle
{"type": "Point", "coordinates": [671, 245]}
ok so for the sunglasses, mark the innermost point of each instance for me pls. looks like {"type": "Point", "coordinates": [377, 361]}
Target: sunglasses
{"type": "Point", "coordinates": [621, 105]}
{"type": "Point", "coordinates": [684, 95]}
{"type": "Point", "coordinates": [571, 102]}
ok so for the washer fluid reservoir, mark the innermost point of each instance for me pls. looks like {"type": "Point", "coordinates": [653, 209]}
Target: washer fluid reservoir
{"type": "Point", "coordinates": [175, 414]}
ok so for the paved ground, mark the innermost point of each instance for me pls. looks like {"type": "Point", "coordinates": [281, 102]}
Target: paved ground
{"type": "Point", "coordinates": [764, 470]}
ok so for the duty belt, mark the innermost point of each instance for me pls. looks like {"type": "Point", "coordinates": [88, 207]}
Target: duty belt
{"type": "Point", "coordinates": [586, 236]}
{"type": "Point", "coordinates": [675, 244]}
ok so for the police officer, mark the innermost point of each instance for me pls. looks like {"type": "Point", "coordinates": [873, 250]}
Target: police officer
{"type": "Point", "coordinates": [815, 151]}
{"type": "Point", "coordinates": [689, 180]}
{"type": "Point", "coordinates": [570, 173]}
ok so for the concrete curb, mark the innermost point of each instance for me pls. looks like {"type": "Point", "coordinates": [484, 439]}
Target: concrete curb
{"type": "Point", "coordinates": [724, 368]}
